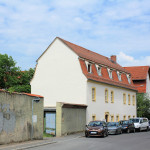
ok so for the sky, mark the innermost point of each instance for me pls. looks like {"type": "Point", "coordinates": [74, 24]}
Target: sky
{"type": "Point", "coordinates": [108, 27]}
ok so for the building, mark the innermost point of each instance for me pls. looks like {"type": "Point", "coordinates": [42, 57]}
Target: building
{"type": "Point", "coordinates": [68, 73]}
{"type": "Point", "coordinates": [140, 78]}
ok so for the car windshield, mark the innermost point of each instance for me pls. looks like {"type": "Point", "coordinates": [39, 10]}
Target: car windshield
{"type": "Point", "coordinates": [110, 124]}
{"type": "Point", "coordinates": [135, 120]}
{"type": "Point", "coordinates": [125, 122]}
{"type": "Point", "coordinates": [95, 123]}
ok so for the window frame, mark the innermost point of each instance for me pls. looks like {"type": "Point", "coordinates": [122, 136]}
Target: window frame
{"type": "Point", "coordinates": [112, 96]}
{"type": "Point", "coordinates": [106, 95]}
{"type": "Point", "coordinates": [93, 117]}
{"type": "Point", "coordinates": [129, 99]}
{"type": "Point", "coordinates": [124, 98]}
{"type": "Point", "coordinates": [94, 96]}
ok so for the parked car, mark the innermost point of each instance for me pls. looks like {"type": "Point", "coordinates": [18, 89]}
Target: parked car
{"type": "Point", "coordinates": [96, 128]}
{"type": "Point", "coordinates": [149, 124]}
{"type": "Point", "coordinates": [127, 126]}
{"type": "Point", "coordinates": [114, 128]}
{"type": "Point", "coordinates": [141, 124]}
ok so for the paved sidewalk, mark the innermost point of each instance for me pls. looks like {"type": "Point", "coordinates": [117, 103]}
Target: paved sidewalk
{"type": "Point", "coordinates": [36, 143]}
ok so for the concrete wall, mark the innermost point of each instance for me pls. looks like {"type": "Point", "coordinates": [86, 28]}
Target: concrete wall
{"type": "Point", "coordinates": [16, 118]}
{"type": "Point", "coordinates": [58, 76]}
{"type": "Point", "coordinates": [70, 119]}
{"type": "Point", "coordinates": [100, 107]}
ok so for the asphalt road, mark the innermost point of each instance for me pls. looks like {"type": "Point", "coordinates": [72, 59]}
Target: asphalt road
{"type": "Point", "coordinates": [132, 141]}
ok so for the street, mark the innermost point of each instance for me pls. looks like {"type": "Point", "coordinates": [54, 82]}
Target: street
{"type": "Point", "coordinates": [132, 141]}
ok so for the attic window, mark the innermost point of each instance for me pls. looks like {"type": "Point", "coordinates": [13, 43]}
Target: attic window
{"type": "Point", "coordinates": [89, 68]}
{"type": "Point", "coordinates": [110, 73]}
{"type": "Point", "coordinates": [129, 78]}
{"type": "Point", "coordinates": [98, 70]}
{"type": "Point", "coordinates": [119, 75]}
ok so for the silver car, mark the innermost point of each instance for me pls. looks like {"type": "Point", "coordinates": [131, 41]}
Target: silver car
{"type": "Point", "coordinates": [114, 128]}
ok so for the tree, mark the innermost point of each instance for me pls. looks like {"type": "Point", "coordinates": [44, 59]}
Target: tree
{"type": "Point", "coordinates": [12, 78]}
{"type": "Point", "coordinates": [8, 72]}
{"type": "Point", "coordinates": [23, 82]}
{"type": "Point", "coordinates": [143, 105]}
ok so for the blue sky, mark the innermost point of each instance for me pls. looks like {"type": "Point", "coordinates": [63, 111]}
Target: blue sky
{"type": "Point", "coordinates": [118, 27]}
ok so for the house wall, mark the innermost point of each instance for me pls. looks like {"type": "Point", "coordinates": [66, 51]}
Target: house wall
{"type": "Point", "coordinates": [148, 84]}
{"type": "Point", "coordinates": [16, 118]}
{"type": "Point", "coordinates": [69, 120]}
{"type": "Point", "coordinates": [59, 77]}
{"type": "Point", "coordinates": [100, 107]}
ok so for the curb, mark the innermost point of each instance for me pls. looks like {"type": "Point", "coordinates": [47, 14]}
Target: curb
{"type": "Point", "coordinates": [37, 145]}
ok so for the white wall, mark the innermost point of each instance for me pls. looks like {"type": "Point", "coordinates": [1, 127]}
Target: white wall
{"type": "Point", "coordinates": [99, 107]}
{"type": "Point", "coordinates": [59, 77]}
{"type": "Point", "coordinates": [148, 84]}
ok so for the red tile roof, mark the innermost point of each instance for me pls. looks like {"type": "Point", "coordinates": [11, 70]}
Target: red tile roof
{"type": "Point", "coordinates": [105, 61]}
{"type": "Point", "coordinates": [29, 94]}
{"type": "Point", "coordinates": [92, 56]}
{"type": "Point", "coordinates": [138, 72]}
{"type": "Point", "coordinates": [105, 77]}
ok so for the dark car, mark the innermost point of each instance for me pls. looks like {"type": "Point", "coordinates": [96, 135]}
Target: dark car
{"type": "Point", "coordinates": [96, 128]}
{"type": "Point", "coordinates": [127, 126]}
{"type": "Point", "coordinates": [114, 128]}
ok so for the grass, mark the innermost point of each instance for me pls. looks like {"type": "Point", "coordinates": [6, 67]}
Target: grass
{"type": "Point", "coordinates": [47, 135]}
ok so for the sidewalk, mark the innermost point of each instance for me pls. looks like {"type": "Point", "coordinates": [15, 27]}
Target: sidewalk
{"type": "Point", "coordinates": [36, 143]}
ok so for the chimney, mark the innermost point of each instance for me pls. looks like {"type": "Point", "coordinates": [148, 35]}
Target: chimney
{"type": "Point", "coordinates": [113, 58]}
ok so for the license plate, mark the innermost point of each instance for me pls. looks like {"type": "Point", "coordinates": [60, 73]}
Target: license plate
{"type": "Point", "coordinates": [93, 132]}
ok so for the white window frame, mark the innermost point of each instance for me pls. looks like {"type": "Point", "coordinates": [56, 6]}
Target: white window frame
{"type": "Point", "coordinates": [110, 72]}
{"type": "Point", "coordinates": [87, 66]}
{"type": "Point", "coordinates": [119, 76]}
{"type": "Point", "coordinates": [129, 78]}
{"type": "Point", "coordinates": [99, 70]}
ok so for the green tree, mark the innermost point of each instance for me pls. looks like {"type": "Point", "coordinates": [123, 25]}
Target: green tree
{"type": "Point", "coordinates": [12, 78]}
{"type": "Point", "coordinates": [143, 105]}
{"type": "Point", "coordinates": [8, 72]}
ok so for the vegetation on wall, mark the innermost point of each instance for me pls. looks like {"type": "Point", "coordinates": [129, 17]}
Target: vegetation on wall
{"type": "Point", "coordinates": [143, 105]}
{"type": "Point", "coordinates": [12, 78]}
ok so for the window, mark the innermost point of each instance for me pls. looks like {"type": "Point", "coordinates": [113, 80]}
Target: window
{"type": "Point", "coordinates": [98, 70]}
{"type": "Point", "coordinates": [106, 95]}
{"type": "Point", "coordinates": [124, 117]}
{"type": "Point", "coordinates": [133, 100]}
{"type": "Point", "coordinates": [93, 117]}
{"type": "Point", "coordinates": [89, 68]}
{"type": "Point", "coordinates": [107, 116]}
{"type": "Point", "coordinates": [112, 118]}
{"type": "Point", "coordinates": [129, 117]}
{"type": "Point", "coordinates": [110, 73]}
{"type": "Point", "coordinates": [133, 116]}
{"type": "Point", "coordinates": [93, 94]}
{"type": "Point", "coordinates": [117, 118]}
{"type": "Point", "coordinates": [129, 78]}
{"type": "Point", "coordinates": [112, 96]}
{"type": "Point", "coordinates": [124, 98]}
{"type": "Point", "coordinates": [129, 101]}
{"type": "Point", "coordinates": [119, 75]}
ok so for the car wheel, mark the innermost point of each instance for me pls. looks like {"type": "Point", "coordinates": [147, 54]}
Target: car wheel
{"type": "Point", "coordinates": [140, 130]}
{"type": "Point", "coordinates": [121, 132]}
{"type": "Point", "coordinates": [104, 134]}
{"type": "Point", "coordinates": [128, 131]}
{"type": "Point", "coordinates": [116, 132]}
{"type": "Point", "coordinates": [133, 130]}
{"type": "Point", "coordinates": [147, 129]}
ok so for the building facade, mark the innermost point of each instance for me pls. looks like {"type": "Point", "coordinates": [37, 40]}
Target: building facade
{"type": "Point", "coordinates": [140, 78]}
{"type": "Point", "coordinates": [68, 73]}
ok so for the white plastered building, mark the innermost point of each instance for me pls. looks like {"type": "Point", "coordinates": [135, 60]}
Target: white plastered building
{"type": "Point", "coordinates": [68, 73]}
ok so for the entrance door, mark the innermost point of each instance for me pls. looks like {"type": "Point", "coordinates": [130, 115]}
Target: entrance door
{"type": "Point", "coordinates": [51, 123]}
{"type": "Point", "coordinates": [106, 117]}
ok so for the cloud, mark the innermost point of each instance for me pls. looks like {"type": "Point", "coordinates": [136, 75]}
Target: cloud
{"type": "Point", "coordinates": [105, 26]}
{"type": "Point", "coordinates": [127, 60]}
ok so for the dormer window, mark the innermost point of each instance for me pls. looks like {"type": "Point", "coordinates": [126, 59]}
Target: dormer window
{"type": "Point", "coordinates": [89, 66]}
{"type": "Point", "coordinates": [110, 73]}
{"type": "Point", "coordinates": [98, 70]}
{"type": "Point", "coordinates": [119, 75]}
{"type": "Point", "coordinates": [129, 78]}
